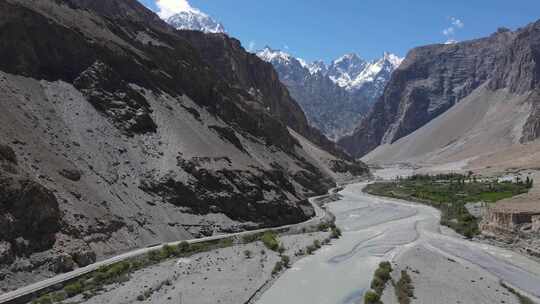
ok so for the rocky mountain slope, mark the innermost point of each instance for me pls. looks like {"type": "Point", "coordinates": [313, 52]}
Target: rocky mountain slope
{"type": "Point", "coordinates": [334, 97]}
{"type": "Point", "coordinates": [118, 131]}
{"type": "Point", "coordinates": [494, 81]}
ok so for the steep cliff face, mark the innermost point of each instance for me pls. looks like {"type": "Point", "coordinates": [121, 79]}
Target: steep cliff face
{"type": "Point", "coordinates": [246, 71]}
{"type": "Point", "coordinates": [434, 78]}
{"type": "Point", "coordinates": [259, 79]}
{"type": "Point", "coordinates": [127, 132]}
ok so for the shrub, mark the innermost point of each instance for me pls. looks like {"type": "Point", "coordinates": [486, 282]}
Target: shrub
{"type": "Point", "coordinates": [270, 240]}
{"type": "Point", "coordinates": [153, 255]}
{"type": "Point", "coordinates": [46, 299]}
{"type": "Point", "coordinates": [117, 269]}
{"type": "Point", "coordinates": [168, 251]}
{"type": "Point", "coordinates": [277, 268]}
{"type": "Point", "coordinates": [323, 227]}
{"type": "Point", "coordinates": [227, 242]}
{"type": "Point", "coordinates": [183, 247]}
{"type": "Point", "coordinates": [317, 244]}
{"type": "Point", "coordinates": [59, 296]}
{"type": "Point", "coordinates": [199, 247]}
{"type": "Point", "coordinates": [73, 289]}
{"type": "Point", "coordinates": [378, 284]}
{"type": "Point", "coordinates": [381, 277]}
{"type": "Point", "coordinates": [100, 276]}
{"type": "Point", "coordinates": [247, 254]}
{"type": "Point", "coordinates": [404, 288]}
{"type": "Point", "coordinates": [285, 260]}
{"type": "Point", "coordinates": [250, 238]}
{"type": "Point", "coordinates": [382, 274]}
{"type": "Point", "coordinates": [371, 298]}
{"type": "Point", "coordinates": [386, 266]}
{"type": "Point", "coordinates": [336, 233]}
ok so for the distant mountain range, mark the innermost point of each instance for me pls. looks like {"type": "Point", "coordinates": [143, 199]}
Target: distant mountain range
{"type": "Point", "coordinates": [336, 96]}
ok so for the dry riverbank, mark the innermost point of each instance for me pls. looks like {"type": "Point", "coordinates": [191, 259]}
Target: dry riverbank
{"type": "Point", "coordinates": [226, 276]}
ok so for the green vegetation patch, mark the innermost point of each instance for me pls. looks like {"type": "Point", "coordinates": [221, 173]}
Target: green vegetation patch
{"type": "Point", "coordinates": [380, 279]}
{"type": "Point", "coordinates": [450, 193]}
{"type": "Point", "coordinates": [270, 240]}
{"type": "Point", "coordinates": [90, 284]}
{"type": "Point", "coordinates": [372, 297]}
{"type": "Point", "coordinates": [119, 272]}
{"type": "Point", "coordinates": [404, 288]}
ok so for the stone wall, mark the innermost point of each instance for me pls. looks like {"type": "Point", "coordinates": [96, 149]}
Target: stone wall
{"type": "Point", "coordinates": [495, 223]}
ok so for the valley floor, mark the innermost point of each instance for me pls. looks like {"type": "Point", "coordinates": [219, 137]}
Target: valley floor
{"type": "Point", "coordinates": [444, 267]}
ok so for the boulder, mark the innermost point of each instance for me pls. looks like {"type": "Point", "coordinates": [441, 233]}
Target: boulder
{"type": "Point", "coordinates": [7, 154]}
{"type": "Point", "coordinates": [6, 253]}
{"type": "Point", "coordinates": [62, 263]}
{"type": "Point", "coordinates": [84, 257]}
{"type": "Point", "coordinates": [71, 174]}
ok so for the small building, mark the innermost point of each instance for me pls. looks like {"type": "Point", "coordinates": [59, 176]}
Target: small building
{"type": "Point", "coordinates": [510, 217]}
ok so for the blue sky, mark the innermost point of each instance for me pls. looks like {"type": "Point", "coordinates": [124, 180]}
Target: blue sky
{"type": "Point", "coordinates": [323, 29]}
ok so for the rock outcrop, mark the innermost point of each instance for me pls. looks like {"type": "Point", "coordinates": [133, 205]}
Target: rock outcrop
{"type": "Point", "coordinates": [29, 213]}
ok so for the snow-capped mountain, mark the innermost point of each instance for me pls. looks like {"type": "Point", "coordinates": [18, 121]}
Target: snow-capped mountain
{"type": "Point", "coordinates": [195, 20]}
{"type": "Point", "coordinates": [277, 56]}
{"type": "Point", "coordinates": [352, 73]}
{"type": "Point", "coordinates": [344, 70]}
{"type": "Point", "coordinates": [336, 96]}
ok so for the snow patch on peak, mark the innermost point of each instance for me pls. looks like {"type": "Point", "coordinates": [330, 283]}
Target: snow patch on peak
{"type": "Point", "coordinates": [317, 67]}
{"type": "Point", "coordinates": [303, 63]}
{"type": "Point", "coordinates": [195, 20]}
{"type": "Point", "coordinates": [393, 59]}
{"type": "Point", "coordinates": [351, 57]}
{"type": "Point", "coordinates": [269, 55]}
{"type": "Point", "coordinates": [352, 74]}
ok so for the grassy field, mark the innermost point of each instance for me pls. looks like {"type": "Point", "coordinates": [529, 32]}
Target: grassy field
{"type": "Point", "coordinates": [450, 193]}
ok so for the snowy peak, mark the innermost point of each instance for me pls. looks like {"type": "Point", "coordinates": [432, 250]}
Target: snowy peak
{"type": "Point", "coordinates": [334, 96]}
{"type": "Point", "coordinates": [317, 67]}
{"type": "Point", "coordinates": [349, 71]}
{"type": "Point", "coordinates": [345, 69]}
{"type": "Point", "coordinates": [352, 73]}
{"type": "Point", "coordinates": [349, 62]}
{"type": "Point", "coordinates": [195, 20]}
{"type": "Point", "coordinates": [274, 56]}
{"type": "Point", "coordinates": [281, 59]}
{"type": "Point", "coordinates": [394, 60]}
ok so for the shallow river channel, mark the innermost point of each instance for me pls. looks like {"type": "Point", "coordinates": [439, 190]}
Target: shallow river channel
{"type": "Point", "coordinates": [377, 229]}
